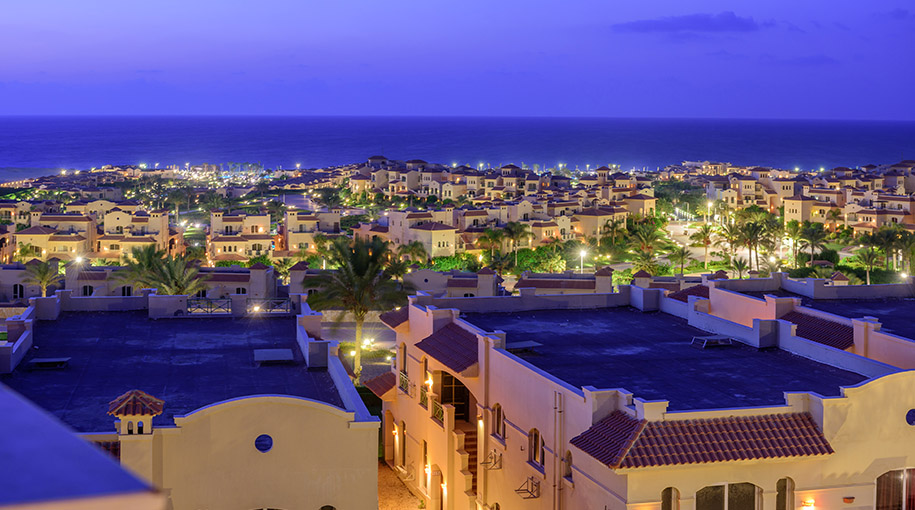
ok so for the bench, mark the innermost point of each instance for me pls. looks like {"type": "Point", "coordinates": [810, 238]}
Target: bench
{"type": "Point", "coordinates": [48, 363]}
{"type": "Point", "coordinates": [526, 345]}
{"type": "Point", "coordinates": [273, 357]}
{"type": "Point", "coordinates": [703, 342]}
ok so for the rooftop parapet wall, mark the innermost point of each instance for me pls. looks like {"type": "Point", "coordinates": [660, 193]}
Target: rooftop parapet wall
{"type": "Point", "coordinates": [528, 300]}
{"type": "Point", "coordinates": [819, 288]}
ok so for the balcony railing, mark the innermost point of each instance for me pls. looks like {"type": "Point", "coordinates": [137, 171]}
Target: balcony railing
{"type": "Point", "coordinates": [207, 306]}
{"type": "Point", "coordinates": [438, 412]}
{"type": "Point", "coordinates": [404, 383]}
{"type": "Point", "coordinates": [424, 397]}
{"type": "Point", "coordinates": [270, 306]}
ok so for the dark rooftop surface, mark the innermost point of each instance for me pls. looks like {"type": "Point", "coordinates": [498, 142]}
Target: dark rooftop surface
{"type": "Point", "coordinates": [188, 363]}
{"type": "Point", "coordinates": [896, 315]}
{"type": "Point", "coordinates": [649, 354]}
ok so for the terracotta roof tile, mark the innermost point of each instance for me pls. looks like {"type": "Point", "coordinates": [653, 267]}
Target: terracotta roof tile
{"type": "Point", "coordinates": [621, 441]}
{"type": "Point", "coordinates": [452, 345]}
{"type": "Point", "coordinates": [684, 294]}
{"type": "Point", "coordinates": [381, 384]}
{"type": "Point", "coordinates": [823, 331]}
{"type": "Point", "coordinates": [396, 317]}
{"type": "Point", "coordinates": [136, 402]}
{"type": "Point", "coordinates": [461, 283]}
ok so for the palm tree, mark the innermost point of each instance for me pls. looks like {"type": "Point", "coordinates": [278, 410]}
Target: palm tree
{"type": "Point", "coordinates": [680, 255]}
{"type": "Point", "coordinates": [869, 258]}
{"type": "Point", "coordinates": [139, 264]}
{"type": "Point", "coordinates": [613, 228]}
{"type": "Point", "coordinates": [740, 265]}
{"type": "Point", "coordinates": [794, 231]}
{"type": "Point", "coordinates": [886, 239]}
{"type": "Point", "coordinates": [414, 250]}
{"type": "Point", "coordinates": [516, 232]}
{"type": "Point", "coordinates": [500, 262]}
{"type": "Point", "coordinates": [644, 261]}
{"type": "Point", "coordinates": [282, 267]}
{"type": "Point", "coordinates": [906, 246]}
{"type": "Point", "coordinates": [813, 237]}
{"type": "Point", "coordinates": [553, 244]}
{"type": "Point", "coordinates": [729, 237]}
{"type": "Point", "coordinates": [43, 275]}
{"type": "Point", "coordinates": [359, 285]}
{"type": "Point", "coordinates": [751, 234]}
{"type": "Point", "coordinates": [174, 276]}
{"type": "Point", "coordinates": [397, 269]}
{"type": "Point", "coordinates": [276, 209]}
{"type": "Point", "coordinates": [491, 239]}
{"type": "Point", "coordinates": [646, 238]}
{"type": "Point", "coordinates": [833, 216]}
{"type": "Point", "coordinates": [703, 236]}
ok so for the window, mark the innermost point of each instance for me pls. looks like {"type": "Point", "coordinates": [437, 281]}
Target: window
{"type": "Point", "coordinates": [896, 490]}
{"type": "Point", "coordinates": [130, 427]}
{"type": "Point", "coordinates": [126, 291]}
{"type": "Point", "coordinates": [498, 421]}
{"type": "Point", "coordinates": [139, 427]}
{"type": "Point", "coordinates": [732, 496]}
{"type": "Point", "coordinates": [303, 246]}
{"type": "Point", "coordinates": [87, 290]}
{"type": "Point", "coordinates": [201, 293]}
{"type": "Point", "coordinates": [567, 470]}
{"type": "Point", "coordinates": [402, 435]}
{"type": "Point", "coordinates": [784, 494]}
{"type": "Point", "coordinates": [18, 291]}
{"type": "Point", "coordinates": [241, 290]}
{"type": "Point", "coordinates": [535, 448]}
{"type": "Point", "coordinates": [263, 443]}
{"type": "Point", "coordinates": [670, 499]}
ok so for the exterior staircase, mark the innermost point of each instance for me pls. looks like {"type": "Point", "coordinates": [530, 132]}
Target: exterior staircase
{"type": "Point", "coordinates": [470, 446]}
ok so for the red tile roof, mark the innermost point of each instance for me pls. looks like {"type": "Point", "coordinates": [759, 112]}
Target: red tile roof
{"type": "Point", "coordinates": [136, 402]}
{"type": "Point", "coordinates": [381, 384]}
{"type": "Point", "coordinates": [684, 294]}
{"type": "Point", "coordinates": [554, 283]}
{"type": "Point", "coordinates": [461, 283]}
{"type": "Point", "coordinates": [452, 345]}
{"type": "Point", "coordinates": [823, 331]}
{"type": "Point", "coordinates": [395, 318]}
{"type": "Point", "coordinates": [621, 441]}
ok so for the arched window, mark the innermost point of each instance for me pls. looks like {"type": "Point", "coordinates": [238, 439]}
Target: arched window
{"type": "Point", "coordinates": [18, 291]}
{"type": "Point", "coordinates": [402, 358]}
{"type": "Point", "coordinates": [784, 494]}
{"type": "Point", "coordinates": [567, 466]}
{"type": "Point", "coordinates": [535, 448]}
{"type": "Point", "coordinates": [88, 290]}
{"type": "Point", "coordinates": [201, 293]}
{"type": "Point", "coordinates": [896, 490]}
{"type": "Point", "coordinates": [670, 499]}
{"type": "Point", "coordinates": [241, 290]}
{"type": "Point", "coordinates": [402, 435]}
{"type": "Point", "coordinates": [139, 427]}
{"type": "Point", "coordinates": [126, 291]}
{"type": "Point", "coordinates": [130, 427]}
{"type": "Point", "coordinates": [498, 421]}
{"type": "Point", "coordinates": [732, 496]}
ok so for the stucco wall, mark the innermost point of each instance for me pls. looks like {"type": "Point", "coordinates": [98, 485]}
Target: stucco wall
{"type": "Point", "coordinates": [527, 300]}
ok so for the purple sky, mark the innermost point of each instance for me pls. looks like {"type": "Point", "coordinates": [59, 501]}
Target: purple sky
{"type": "Point", "coordinates": [656, 58]}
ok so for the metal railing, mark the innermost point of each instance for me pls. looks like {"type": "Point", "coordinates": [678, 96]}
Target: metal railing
{"type": "Point", "coordinates": [438, 412]}
{"type": "Point", "coordinates": [424, 396]}
{"type": "Point", "coordinates": [208, 306]}
{"type": "Point", "coordinates": [404, 383]}
{"type": "Point", "coordinates": [277, 306]}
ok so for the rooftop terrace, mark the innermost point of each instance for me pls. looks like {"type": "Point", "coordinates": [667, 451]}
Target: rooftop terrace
{"type": "Point", "coordinates": [896, 315]}
{"type": "Point", "coordinates": [188, 363]}
{"type": "Point", "coordinates": [649, 354]}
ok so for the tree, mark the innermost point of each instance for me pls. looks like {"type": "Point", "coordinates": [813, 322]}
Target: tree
{"type": "Point", "coordinates": [330, 197]}
{"type": "Point", "coordinates": [500, 262]}
{"type": "Point", "coordinates": [516, 232]}
{"type": "Point", "coordinates": [43, 275]}
{"type": "Point", "coordinates": [680, 256]}
{"type": "Point", "coordinates": [794, 231]}
{"type": "Point", "coordinates": [886, 239]}
{"type": "Point", "coordinates": [740, 265]}
{"type": "Point", "coordinates": [553, 245]}
{"type": "Point", "coordinates": [868, 258]}
{"type": "Point", "coordinates": [282, 267]}
{"type": "Point", "coordinates": [174, 276]}
{"type": "Point", "coordinates": [703, 236]}
{"type": "Point", "coordinates": [491, 239]}
{"type": "Point", "coordinates": [814, 237]}
{"type": "Point", "coordinates": [397, 269]}
{"type": "Point", "coordinates": [833, 217]}
{"type": "Point", "coordinates": [645, 261]}
{"type": "Point", "coordinates": [359, 285]}
{"type": "Point", "coordinates": [139, 264]}
{"type": "Point", "coordinates": [414, 250]}
{"type": "Point", "coordinates": [646, 238]}
{"type": "Point", "coordinates": [276, 209]}
{"type": "Point", "coordinates": [613, 228]}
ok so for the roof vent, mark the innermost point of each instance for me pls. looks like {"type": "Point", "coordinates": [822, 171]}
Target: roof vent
{"type": "Point", "coordinates": [705, 342]}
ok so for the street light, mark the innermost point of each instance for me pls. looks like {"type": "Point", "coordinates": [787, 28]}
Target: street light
{"type": "Point", "coordinates": [582, 267]}
{"type": "Point", "coordinates": [708, 210]}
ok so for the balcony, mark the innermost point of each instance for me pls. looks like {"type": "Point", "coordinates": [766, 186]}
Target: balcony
{"type": "Point", "coordinates": [404, 384]}
{"type": "Point", "coordinates": [424, 397]}
{"type": "Point", "coordinates": [438, 412]}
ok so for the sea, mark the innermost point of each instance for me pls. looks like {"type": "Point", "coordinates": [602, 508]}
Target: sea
{"type": "Point", "coordinates": [43, 145]}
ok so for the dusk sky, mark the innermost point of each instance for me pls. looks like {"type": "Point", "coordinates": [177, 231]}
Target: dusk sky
{"type": "Point", "coordinates": [774, 59]}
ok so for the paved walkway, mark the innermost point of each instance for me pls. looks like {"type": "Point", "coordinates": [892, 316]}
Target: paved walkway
{"type": "Point", "coordinates": [392, 493]}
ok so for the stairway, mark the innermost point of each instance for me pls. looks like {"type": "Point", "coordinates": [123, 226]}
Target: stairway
{"type": "Point", "coordinates": [470, 446]}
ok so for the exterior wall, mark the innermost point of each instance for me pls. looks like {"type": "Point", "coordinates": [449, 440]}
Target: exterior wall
{"type": "Point", "coordinates": [320, 456]}
{"type": "Point", "coordinates": [528, 300]}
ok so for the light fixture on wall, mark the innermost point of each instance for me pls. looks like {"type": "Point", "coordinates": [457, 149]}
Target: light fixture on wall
{"type": "Point", "coordinates": [809, 503]}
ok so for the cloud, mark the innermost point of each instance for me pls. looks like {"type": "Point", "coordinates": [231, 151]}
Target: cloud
{"type": "Point", "coordinates": [899, 14]}
{"type": "Point", "coordinates": [722, 22]}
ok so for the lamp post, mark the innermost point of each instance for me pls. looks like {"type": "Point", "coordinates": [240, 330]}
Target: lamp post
{"type": "Point", "coordinates": [581, 269]}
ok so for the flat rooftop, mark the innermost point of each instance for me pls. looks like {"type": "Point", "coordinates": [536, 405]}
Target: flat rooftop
{"type": "Point", "coordinates": [649, 354]}
{"type": "Point", "coordinates": [896, 314]}
{"type": "Point", "coordinates": [188, 363]}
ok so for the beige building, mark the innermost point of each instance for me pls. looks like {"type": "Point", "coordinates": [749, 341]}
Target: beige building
{"type": "Point", "coordinates": [239, 236]}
